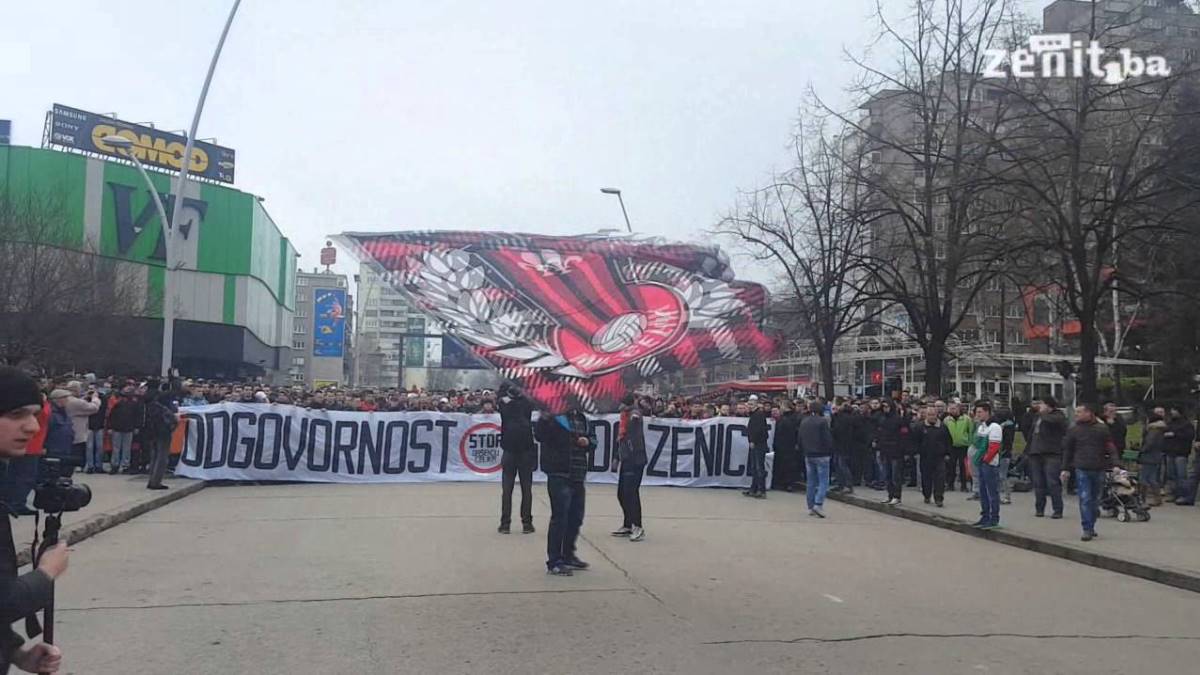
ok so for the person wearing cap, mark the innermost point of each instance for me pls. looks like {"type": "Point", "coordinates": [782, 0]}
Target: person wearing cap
{"type": "Point", "coordinates": [757, 433]}
{"type": "Point", "coordinates": [24, 595]}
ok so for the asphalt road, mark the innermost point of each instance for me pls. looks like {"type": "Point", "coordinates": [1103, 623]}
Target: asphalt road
{"type": "Point", "coordinates": [301, 579]}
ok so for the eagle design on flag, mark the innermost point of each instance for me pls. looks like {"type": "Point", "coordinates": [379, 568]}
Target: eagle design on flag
{"type": "Point", "coordinates": [575, 321]}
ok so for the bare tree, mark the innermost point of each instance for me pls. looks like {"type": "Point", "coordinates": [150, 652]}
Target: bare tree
{"type": "Point", "coordinates": [50, 292]}
{"type": "Point", "coordinates": [1088, 164]}
{"type": "Point", "coordinates": [807, 224]}
{"type": "Point", "coordinates": [940, 229]}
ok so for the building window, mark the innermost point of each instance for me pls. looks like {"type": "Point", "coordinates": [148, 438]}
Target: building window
{"type": "Point", "coordinates": [298, 330]}
{"type": "Point", "coordinates": [302, 281]}
{"type": "Point", "coordinates": [297, 377]}
{"type": "Point", "coordinates": [1015, 311]}
{"type": "Point", "coordinates": [299, 344]}
{"type": "Point", "coordinates": [991, 337]}
{"type": "Point", "coordinates": [993, 284]}
{"type": "Point", "coordinates": [297, 360]}
{"type": "Point", "coordinates": [301, 313]}
{"type": "Point", "coordinates": [1016, 337]}
{"type": "Point", "coordinates": [939, 250]}
{"type": "Point", "coordinates": [993, 310]}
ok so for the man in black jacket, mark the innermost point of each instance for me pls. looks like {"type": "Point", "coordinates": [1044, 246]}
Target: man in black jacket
{"type": "Point", "coordinates": [891, 440]}
{"type": "Point", "coordinates": [787, 451]}
{"type": "Point", "coordinates": [630, 463]}
{"type": "Point", "coordinates": [22, 596]}
{"type": "Point", "coordinates": [933, 448]}
{"type": "Point", "coordinates": [1177, 445]}
{"type": "Point", "coordinates": [566, 445]}
{"type": "Point", "coordinates": [1044, 455]}
{"type": "Point", "coordinates": [1089, 451]}
{"type": "Point", "coordinates": [520, 456]}
{"type": "Point", "coordinates": [843, 427]}
{"type": "Point", "coordinates": [757, 433]}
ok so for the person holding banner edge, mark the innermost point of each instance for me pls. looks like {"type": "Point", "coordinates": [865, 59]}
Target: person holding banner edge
{"type": "Point", "coordinates": [567, 443]}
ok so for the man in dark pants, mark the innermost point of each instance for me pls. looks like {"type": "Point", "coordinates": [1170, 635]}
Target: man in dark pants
{"type": "Point", "coordinates": [843, 427]}
{"type": "Point", "coordinates": [520, 456]}
{"type": "Point", "coordinates": [933, 447]}
{"type": "Point", "coordinates": [161, 421]}
{"type": "Point", "coordinates": [1089, 451]}
{"type": "Point", "coordinates": [1045, 456]}
{"type": "Point", "coordinates": [566, 444]}
{"type": "Point", "coordinates": [757, 433]}
{"type": "Point", "coordinates": [785, 445]}
{"type": "Point", "coordinates": [630, 463]}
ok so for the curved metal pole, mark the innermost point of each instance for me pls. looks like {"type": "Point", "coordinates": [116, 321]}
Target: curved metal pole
{"type": "Point", "coordinates": [162, 212]}
{"type": "Point", "coordinates": [168, 339]}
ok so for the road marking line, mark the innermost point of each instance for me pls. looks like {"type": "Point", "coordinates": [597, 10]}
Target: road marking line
{"type": "Point", "coordinates": [834, 598]}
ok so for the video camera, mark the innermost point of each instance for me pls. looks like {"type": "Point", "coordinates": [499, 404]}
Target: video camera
{"type": "Point", "coordinates": [55, 491]}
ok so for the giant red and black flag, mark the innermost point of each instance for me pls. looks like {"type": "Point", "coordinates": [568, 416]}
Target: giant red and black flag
{"type": "Point", "coordinates": [575, 321]}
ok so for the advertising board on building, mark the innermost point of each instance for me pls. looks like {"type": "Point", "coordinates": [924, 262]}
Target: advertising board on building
{"type": "Point", "coordinates": [329, 322]}
{"type": "Point", "coordinates": [81, 130]}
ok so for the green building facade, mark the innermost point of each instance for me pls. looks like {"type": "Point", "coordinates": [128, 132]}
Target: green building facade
{"type": "Point", "coordinates": [234, 285]}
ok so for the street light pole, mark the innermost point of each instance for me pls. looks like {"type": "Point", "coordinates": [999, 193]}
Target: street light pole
{"type": "Point", "coordinates": [122, 143]}
{"type": "Point", "coordinates": [168, 337]}
{"type": "Point", "coordinates": [617, 192]}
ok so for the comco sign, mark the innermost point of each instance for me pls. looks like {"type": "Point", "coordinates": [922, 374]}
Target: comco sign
{"type": "Point", "coordinates": [82, 130]}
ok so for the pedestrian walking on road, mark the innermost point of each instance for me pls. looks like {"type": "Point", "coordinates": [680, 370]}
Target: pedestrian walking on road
{"type": "Point", "coordinates": [519, 458]}
{"type": "Point", "coordinates": [630, 463]}
{"type": "Point", "coordinates": [566, 446]}
{"type": "Point", "coordinates": [1089, 451]}
{"type": "Point", "coordinates": [816, 444]}
{"type": "Point", "coordinates": [989, 437]}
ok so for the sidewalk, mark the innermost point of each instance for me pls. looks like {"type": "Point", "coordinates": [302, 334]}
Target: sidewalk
{"type": "Point", "coordinates": [115, 499]}
{"type": "Point", "coordinates": [1165, 549]}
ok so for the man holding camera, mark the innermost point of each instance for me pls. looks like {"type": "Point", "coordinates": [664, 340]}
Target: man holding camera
{"type": "Point", "coordinates": [24, 595]}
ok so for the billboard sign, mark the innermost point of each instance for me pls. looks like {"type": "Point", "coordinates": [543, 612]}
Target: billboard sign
{"type": "Point", "coordinates": [82, 130]}
{"type": "Point", "coordinates": [329, 322]}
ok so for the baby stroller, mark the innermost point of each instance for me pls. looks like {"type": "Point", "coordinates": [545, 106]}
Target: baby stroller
{"type": "Point", "coordinates": [1122, 498]}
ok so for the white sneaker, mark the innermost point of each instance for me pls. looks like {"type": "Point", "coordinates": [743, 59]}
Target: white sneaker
{"type": "Point", "coordinates": [622, 532]}
{"type": "Point", "coordinates": [893, 502]}
{"type": "Point", "coordinates": [637, 534]}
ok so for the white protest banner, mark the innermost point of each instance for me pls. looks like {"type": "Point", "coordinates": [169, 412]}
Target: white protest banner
{"type": "Point", "coordinates": [244, 441]}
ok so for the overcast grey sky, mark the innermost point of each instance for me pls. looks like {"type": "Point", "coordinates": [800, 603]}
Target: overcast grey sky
{"type": "Point", "coordinates": [470, 114]}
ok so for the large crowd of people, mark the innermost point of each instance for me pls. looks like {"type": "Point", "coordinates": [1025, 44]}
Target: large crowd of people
{"type": "Point", "coordinates": [889, 444]}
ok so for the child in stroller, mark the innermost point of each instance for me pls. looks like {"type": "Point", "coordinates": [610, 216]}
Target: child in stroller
{"type": "Point", "coordinates": [1122, 498]}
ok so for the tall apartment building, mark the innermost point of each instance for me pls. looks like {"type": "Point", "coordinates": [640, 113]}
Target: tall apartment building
{"type": "Point", "coordinates": [321, 333]}
{"type": "Point", "coordinates": [398, 346]}
{"type": "Point", "coordinates": [1009, 318]}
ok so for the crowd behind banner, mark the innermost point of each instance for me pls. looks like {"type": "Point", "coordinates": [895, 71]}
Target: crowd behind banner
{"type": "Point", "coordinates": [879, 443]}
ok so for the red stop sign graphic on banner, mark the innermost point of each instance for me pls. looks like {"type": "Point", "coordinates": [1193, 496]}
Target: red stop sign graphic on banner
{"type": "Point", "coordinates": [480, 448]}
{"type": "Point", "coordinates": [876, 377]}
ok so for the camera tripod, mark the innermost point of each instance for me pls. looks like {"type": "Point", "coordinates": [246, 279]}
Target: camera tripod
{"type": "Point", "coordinates": [49, 540]}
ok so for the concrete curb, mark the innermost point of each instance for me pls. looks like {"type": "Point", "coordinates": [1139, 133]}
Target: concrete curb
{"type": "Point", "coordinates": [103, 521]}
{"type": "Point", "coordinates": [1171, 577]}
